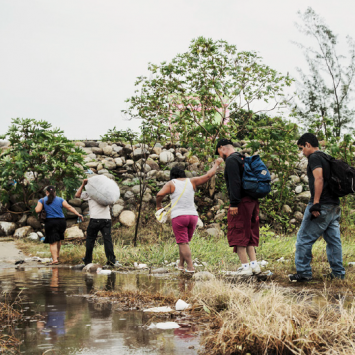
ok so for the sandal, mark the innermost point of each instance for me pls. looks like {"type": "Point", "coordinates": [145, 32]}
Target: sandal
{"type": "Point", "coordinates": [54, 263]}
{"type": "Point", "coordinates": [190, 271]}
{"type": "Point", "coordinates": [180, 268]}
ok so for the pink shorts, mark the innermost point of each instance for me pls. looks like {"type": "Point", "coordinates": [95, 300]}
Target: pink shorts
{"type": "Point", "coordinates": [184, 227]}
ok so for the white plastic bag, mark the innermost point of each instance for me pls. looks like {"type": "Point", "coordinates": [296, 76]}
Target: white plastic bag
{"type": "Point", "coordinates": [103, 190]}
{"type": "Point", "coordinates": [162, 215]}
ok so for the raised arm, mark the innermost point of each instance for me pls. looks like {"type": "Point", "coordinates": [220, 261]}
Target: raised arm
{"type": "Point", "coordinates": [200, 180]}
{"type": "Point", "coordinates": [39, 206]}
{"type": "Point", "coordinates": [80, 189]}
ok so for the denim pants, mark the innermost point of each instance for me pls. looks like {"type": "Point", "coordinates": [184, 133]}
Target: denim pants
{"type": "Point", "coordinates": [327, 224]}
{"type": "Point", "coordinates": [96, 225]}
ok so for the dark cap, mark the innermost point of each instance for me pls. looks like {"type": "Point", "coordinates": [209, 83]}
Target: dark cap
{"type": "Point", "coordinates": [221, 143]}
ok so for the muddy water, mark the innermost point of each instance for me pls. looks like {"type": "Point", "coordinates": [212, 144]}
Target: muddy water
{"type": "Point", "coordinates": [73, 325]}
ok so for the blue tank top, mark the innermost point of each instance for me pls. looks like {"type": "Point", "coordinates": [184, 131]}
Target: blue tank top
{"type": "Point", "coordinates": [54, 210]}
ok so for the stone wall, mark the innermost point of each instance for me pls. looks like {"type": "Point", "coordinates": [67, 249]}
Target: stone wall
{"type": "Point", "coordinates": [118, 161]}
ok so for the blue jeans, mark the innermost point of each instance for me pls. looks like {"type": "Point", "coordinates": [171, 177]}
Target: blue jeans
{"type": "Point", "coordinates": [327, 224]}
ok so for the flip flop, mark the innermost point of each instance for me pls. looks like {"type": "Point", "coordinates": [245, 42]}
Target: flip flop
{"type": "Point", "coordinates": [180, 268]}
{"type": "Point", "coordinates": [54, 263]}
{"type": "Point", "coordinates": [190, 271]}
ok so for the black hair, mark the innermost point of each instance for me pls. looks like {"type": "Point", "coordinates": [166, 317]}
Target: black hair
{"type": "Point", "coordinates": [51, 190]}
{"type": "Point", "coordinates": [308, 138]}
{"type": "Point", "coordinates": [176, 173]}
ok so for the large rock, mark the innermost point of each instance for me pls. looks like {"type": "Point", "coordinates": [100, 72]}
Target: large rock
{"type": "Point", "coordinates": [166, 157]}
{"type": "Point", "coordinates": [140, 152]}
{"type": "Point", "coordinates": [116, 210]}
{"type": "Point", "coordinates": [91, 268]}
{"type": "Point", "coordinates": [18, 207]}
{"type": "Point", "coordinates": [298, 216]}
{"type": "Point", "coordinates": [157, 150]}
{"type": "Point", "coordinates": [76, 202]}
{"type": "Point", "coordinates": [294, 179]}
{"type": "Point", "coordinates": [97, 151]}
{"type": "Point", "coordinates": [286, 209]}
{"type": "Point", "coordinates": [147, 197]}
{"type": "Point", "coordinates": [79, 144]}
{"type": "Point", "coordinates": [6, 217]}
{"type": "Point", "coordinates": [193, 160]}
{"type": "Point", "coordinates": [127, 218]}
{"type": "Point", "coordinates": [213, 232]}
{"type": "Point", "coordinates": [7, 229]}
{"type": "Point", "coordinates": [34, 222]}
{"type": "Point", "coordinates": [163, 175]}
{"type": "Point", "coordinates": [91, 144]}
{"type": "Point", "coordinates": [109, 165]}
{"type": "Point", "coordinates": [107, 150]}
{"type": "Point", "coordinates": [298, 189]}
{"type": "Point", "coordinates": [22, 221]}
{"type": "Point", "coordinates": [128, 195]}
{"type": "Point", "coordinates": [72, 214]}
{"type": "Point", "coordinates": [304, 196]}
{"type": "Point", "coordinates": [92, 164]}
{"type": "Point", "coordinates": [74, 232]}
{"type": "Point", "coordinates": [118, 162]}
{"type": "Point", "coordinates": [23, 232]}
{"type": "Point", "coordinates": [33, 236]}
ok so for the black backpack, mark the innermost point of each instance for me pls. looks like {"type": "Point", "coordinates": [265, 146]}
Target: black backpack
{"type": "Point", "coordinates": [342, 176]}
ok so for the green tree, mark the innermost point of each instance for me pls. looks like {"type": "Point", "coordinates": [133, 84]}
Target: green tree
{"type": "Point", "coordinates": [325, 91]}
{"type": "Point", "coordinates": [192, 98]}
{"type": "Point", "coordinates": [38, 155]}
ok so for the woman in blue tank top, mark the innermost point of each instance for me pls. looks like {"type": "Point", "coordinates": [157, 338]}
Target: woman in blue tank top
{"type": "Point", "coordinates": [55, 224]}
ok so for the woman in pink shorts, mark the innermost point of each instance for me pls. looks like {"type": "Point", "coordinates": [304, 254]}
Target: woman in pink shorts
{"type": "Point", "coordinates": [184, 216]}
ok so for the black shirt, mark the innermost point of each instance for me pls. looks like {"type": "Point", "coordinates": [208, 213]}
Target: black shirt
{"type": "Point", "coordinates": [233, 175]}
{"type": "Point", "coordinates": [316, 160]}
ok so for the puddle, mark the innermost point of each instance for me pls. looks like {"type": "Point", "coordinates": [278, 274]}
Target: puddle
{"type": "Point", "coordinates": [72, 325]}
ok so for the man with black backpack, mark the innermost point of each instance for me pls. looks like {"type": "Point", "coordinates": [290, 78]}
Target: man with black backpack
{"type": "Point", "coordinates": [322, 214]}
{"type": "Point", "coordinates": [243, 212]}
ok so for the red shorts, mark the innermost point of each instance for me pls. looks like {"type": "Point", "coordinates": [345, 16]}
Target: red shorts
{"type": "Point", "coordinates": [243, 229]}
{"type": "Point", "coordinates": [184, 227]}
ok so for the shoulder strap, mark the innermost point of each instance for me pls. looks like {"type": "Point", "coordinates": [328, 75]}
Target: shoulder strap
{"type": "Point", "coordinates": [179, 196]}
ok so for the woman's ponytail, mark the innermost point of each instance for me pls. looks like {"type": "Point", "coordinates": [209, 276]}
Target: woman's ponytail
{"type": "Point", "coordinates": [51, 190]}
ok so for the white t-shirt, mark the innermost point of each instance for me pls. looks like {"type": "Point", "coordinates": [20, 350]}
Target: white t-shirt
{"type": "Point", "coordinates": [97, 211]}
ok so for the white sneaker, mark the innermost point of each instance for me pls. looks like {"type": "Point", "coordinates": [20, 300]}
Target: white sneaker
{"type": "Point", "coordinates": [244, 272]}
{"type": "Point", "coordinates": [256, 269]}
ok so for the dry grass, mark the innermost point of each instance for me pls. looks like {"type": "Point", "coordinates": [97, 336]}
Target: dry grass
{"type": "Point", "coordinates": [8, 316]}
{"type": "Point", "coordinates": [258, 321]}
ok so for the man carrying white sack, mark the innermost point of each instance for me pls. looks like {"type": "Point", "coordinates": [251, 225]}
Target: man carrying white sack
{"type": "Point", "coordinates": [100, 220]}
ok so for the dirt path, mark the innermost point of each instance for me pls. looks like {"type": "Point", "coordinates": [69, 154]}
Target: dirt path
{"type": "Point", "coordinates": [9, 253]}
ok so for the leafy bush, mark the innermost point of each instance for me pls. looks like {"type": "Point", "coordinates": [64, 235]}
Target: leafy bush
{"type": "Point", "coordinates": [38, 156]}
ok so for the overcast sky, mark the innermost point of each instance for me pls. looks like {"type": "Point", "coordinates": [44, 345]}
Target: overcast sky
{"type": "Point", "coordinates": [74, 62]}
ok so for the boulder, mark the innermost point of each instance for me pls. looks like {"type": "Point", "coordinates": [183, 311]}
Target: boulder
{"type": "Point", "coordinates": [91, 268]}
{"type": "Point", "coordinates": [6, 217]}
{"type": "Point", "coordinates": [127, 218]}
{"type": "Point", "coordinates": [298, 189]}
{"type": "Point", "coordinates": [213, 232]}
{"type": "Point", "coordinates": [176, 164]}
{"type": "Point", "coordinates": [136, 189]}
{"type": "Point", "coordinates": [118, 162]}
{"type": "Point", "coordinates": [116, 210]}
{"type": "Point", "coordinates": [102, 145]}
{"type": "Point", "coordinates": [199, 223]}
{"type": "Point", "coordinates": [153, 165]}
{"type": "Point", "coordinates": [33, 236]}
{"type": "Point", "coordinates": [79, 144]}
{"type": "Point", "coordinates": [97, 150]}
{"type": "Point", "coordinates": [102, 171]}
{"type": "Point", "coordinates": [72, 215]}
{"type": "Point", "coordinates": [140, 152]}
{"type": "Point", "coordinates": [34, 222]}
{"type": "Point", "coordinates": [304, 196]}
{"type": "Point", "coordinates": [92, 164]}
{"type": "Point", "coordinates": [86, 150]}
{"type": "Point", "coordinates": [7, 228]}
{"type": "Point", "coordinates": [22, 221]}
{"type": "Point", "coordinates": [107, 150]}
{"type": "Point", "coordinates": [286, 209]}
{"type": "Point", "coordinates": [118, 150]}
{"type": "Point", "coordinates": [18, 207]}
{"type": "Point", "coordinates": [109, 165]}
{"type": "Point", "coordinates": [23, 232]}
{"type": "Point", "coordinates": [74, 232]}
{"type": "Point", "coordinates": [128, 195]}
{"type": "Point", "coordinates": [163, 175]}
{"type": "Point", "coordinates": [120, 202]}
{"type": "Point", "coordinates": [294, 179]}
{"type": "Point", "coordinates": [166, 157]}
{"type": "Point", "coordinates": [91, 144]}
{"type": "Point", "coordinates": [147, 197]}
{"type": "Point", "coordinates": [157, 150]}
{"type": "Point", "coordinates": [75, 202]}
{"type": "Point", "coordinates": [193, 160]}
{"type": "Point", "coordinates": [152, 174]}
{"type": "Point", "coordinates": [298, 216]}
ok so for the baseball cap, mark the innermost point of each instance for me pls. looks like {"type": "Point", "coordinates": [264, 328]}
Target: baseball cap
{"type": "Point", "coordinates": [221, 143]}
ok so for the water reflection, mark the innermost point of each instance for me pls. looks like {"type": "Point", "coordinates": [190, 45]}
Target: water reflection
{"type": "Point", "coordinates": [72, 325]}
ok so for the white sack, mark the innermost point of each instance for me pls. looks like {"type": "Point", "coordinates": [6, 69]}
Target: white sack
{"type": "Point", "coordinates": [103, 190]}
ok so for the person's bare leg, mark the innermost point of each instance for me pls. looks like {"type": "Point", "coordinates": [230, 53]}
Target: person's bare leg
{"type": "Point", "coordinates": [251, 253]}
{"type": "Point", "coordinates": [53, 248]}
{"type": "Point", "coordinates": [58, 249]}
{"type": "Point", "coordinates": [181, 263]}
{"type": "Point", "coordinates": [186, 254]}
{"type": "Point", "coordinates": [242, 253]}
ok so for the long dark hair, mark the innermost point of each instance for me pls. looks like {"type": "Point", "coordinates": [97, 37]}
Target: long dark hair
{"type": "Point", "coordinates": [176, 173]}
{"type": "Point", "coordinates": [51, 190]}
